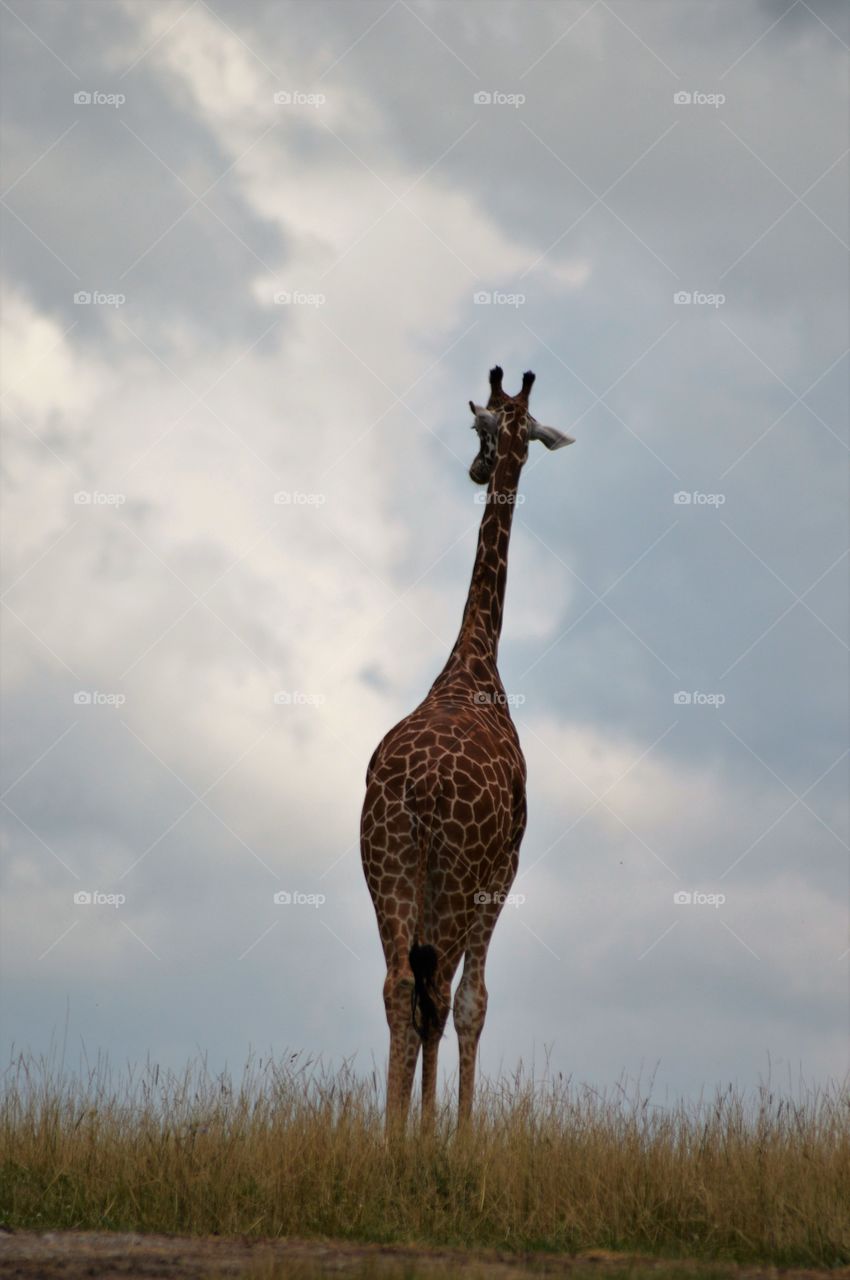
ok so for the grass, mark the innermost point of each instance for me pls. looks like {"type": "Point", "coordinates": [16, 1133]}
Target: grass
{"type": "Point", "coordinates": [294, 1149]}
{"type": "Point", "coordinates": [535, 1269]}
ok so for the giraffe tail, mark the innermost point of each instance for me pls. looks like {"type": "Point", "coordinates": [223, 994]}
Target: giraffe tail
{"type": "Point", "coordinates": [423, 962]}
{"type": "Point", "coordinates": [422, 956]}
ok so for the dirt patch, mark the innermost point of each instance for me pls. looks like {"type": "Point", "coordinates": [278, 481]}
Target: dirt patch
{"type": "Point", "coordinates": [71, 1255]}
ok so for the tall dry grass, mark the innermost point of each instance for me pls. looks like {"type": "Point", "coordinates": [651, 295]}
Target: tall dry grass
{"type": "Point", "coordinates": [294, 1149]}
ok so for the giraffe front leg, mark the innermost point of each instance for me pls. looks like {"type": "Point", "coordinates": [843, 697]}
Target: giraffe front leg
{"type": "Point", "coordinates": [470, 1010]}
{"type": "Point", "coordinates": [404, 1045]}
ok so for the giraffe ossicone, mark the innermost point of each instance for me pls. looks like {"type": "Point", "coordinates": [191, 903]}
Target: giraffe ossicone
{"type": "Point", "coordinates": [445, 810]}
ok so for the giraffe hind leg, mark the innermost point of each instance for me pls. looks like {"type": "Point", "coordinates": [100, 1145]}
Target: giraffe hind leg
{"type": "Point", "coordinates": [430, 1048]}
{"type": "Point", "coordinates": [404, 1043]}
{"type": "Point", "coordinates": [470, 1003]}
{"type": "Point", "coordinates": [469, 1012]}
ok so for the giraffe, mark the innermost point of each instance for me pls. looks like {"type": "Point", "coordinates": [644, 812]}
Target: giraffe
{"type": "Point", "coordinates": [445, 808]}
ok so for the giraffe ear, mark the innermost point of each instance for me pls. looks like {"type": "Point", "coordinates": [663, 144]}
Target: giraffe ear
{"type": "Point", "coordinates": [484, 419]}
{"type": "Point", "coordinates": [550, 436]}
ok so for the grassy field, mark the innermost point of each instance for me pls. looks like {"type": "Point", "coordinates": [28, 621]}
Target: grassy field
{"type": "Point", "coordinates": [292, 1149]}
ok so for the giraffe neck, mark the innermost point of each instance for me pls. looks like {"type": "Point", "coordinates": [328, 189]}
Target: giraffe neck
{"type": "Point", "coordinates": [477, 645]}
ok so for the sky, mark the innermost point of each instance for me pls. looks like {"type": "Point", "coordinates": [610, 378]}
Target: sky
{"type": "Point", "coordinates": [257, 258]}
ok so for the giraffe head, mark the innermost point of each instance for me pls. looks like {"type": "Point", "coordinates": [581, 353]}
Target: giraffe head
{"type": "Point", "coordinates": [506, 415]}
